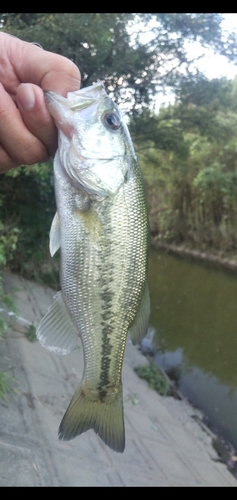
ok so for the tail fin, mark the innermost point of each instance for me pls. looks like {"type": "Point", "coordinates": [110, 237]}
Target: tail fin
{"type": "Point", "coordinates": [105, 418]}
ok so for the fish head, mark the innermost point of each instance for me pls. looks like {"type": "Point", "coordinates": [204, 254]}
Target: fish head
{"type": "Point", "coordinates": [95, 147]}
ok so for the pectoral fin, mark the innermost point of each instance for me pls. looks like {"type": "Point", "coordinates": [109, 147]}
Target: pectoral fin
{"type": "Point", "coordinates": [93, 226]}
{"type": "Point", "coordinates": [54, 236]}
{"type": "Point", "coordinates": [56, 330]}
{"type": "Point", "coordinates": [140, 325]}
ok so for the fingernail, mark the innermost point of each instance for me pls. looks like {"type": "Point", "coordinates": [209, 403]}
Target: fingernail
{"type": "Point", "coordinates": [26, 96]}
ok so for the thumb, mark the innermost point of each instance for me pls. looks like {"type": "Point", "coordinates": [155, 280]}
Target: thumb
{"type": "Point", "coordinates": [31, 104]}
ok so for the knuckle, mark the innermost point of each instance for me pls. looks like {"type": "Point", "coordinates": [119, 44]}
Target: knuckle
{"type": "Point", "coordinates": [6, 162]}
{"type": "Point", "coordinates": [72, 68]}
{"type": "Point", "coordinates": [35, 153]}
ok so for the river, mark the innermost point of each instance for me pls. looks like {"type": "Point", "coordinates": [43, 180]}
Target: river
{"type": "Point", "coordinates": [194, 313]}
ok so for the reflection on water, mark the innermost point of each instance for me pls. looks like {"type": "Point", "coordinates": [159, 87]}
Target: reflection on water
{"type": "Point", "coordinates": [195, 316]}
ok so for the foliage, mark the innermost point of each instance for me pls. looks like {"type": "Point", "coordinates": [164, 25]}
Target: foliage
{"type": "Point", "coordinates": [28, 198]}
{"type": "Point", "coordinates": [8, 243]}
{"type": "Point", "coordinates": [5, 384]}
{"type": "Point", "coordinates": [156, 380]}
{"type": "Point", "coordinates": [8, 240]}
{"type": "Point", "coordinates": [192, 184]}
{"type": "Point", "coordinates": [184, 151]}
{"type": "Point", "coordinates": [132, 397]}
{"type": "Point", "coordinates": [112, 47]}
{"type": "Point", "coordinates": [31, 334]}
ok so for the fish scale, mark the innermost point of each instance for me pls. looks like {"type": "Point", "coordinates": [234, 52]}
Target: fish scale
{"type": "Point", "coordinates": [101, 226]}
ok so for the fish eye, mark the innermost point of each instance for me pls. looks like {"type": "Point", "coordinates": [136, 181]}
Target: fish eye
{"type": "Point", "coordinates": [112, 120]}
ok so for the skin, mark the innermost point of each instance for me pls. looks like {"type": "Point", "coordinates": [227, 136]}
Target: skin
{"type": "Point", "coordinates": [27, 132]}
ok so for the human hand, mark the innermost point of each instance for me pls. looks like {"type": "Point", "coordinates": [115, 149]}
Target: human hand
{"type": "Point", "coordinates": [27, 132]}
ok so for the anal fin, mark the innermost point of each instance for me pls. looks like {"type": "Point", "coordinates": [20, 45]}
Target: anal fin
{"type": "Point", "coordinates": [56, 330]}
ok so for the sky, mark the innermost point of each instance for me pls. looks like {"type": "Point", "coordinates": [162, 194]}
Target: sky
{"type": "Point", "coordinates": [212, 65]}
{"type": "Point", "coordinates": [216, 66]}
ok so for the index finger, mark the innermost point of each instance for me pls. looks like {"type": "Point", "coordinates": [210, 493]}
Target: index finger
{"type": "Point", "coordinates": [28, 63]}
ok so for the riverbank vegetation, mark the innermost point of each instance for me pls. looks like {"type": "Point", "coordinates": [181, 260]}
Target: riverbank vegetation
{"type": "Point", "coordinates": [187, 150]}
{"type": "Point", "coordinates": [191, 177]}
{"type": "Point", "coordinates": [155, 378]}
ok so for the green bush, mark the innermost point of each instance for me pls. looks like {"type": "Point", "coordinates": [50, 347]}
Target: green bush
{"type": "Point", "coordinates": [154, 378]}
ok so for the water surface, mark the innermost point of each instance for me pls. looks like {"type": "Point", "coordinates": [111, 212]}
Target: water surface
{"type": "Point", "coordinates": [194, 312]}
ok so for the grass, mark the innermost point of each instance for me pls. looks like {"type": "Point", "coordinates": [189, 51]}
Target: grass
{"type": "Point", "coordinates": [154, 378]}
{"type": "Point", "coordinates": [31, 334]}
{"type": "Point", "coordinates": [8, 301]}
{"type": "Point", "coordinates": [3, 326]}
{"type": "Point", "coordinates": [132, 397]}
{"type": "Point", "coordinates": [5, 384]}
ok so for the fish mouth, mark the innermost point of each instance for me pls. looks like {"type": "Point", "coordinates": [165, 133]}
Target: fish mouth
{"type": "Point", "coordinates": [87, 96]}
{"type": "Point", "coordinates": [75, 101]}
{"type": "Point", "coordinates": [62, 109]}
{"type": "Point", "coordinates": [109, 158]}
{"type": "Point", "coordinates": [81, 102]}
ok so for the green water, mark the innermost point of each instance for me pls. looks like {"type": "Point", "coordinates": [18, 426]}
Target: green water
{"type": "Point", "coordinates": [194, 312]}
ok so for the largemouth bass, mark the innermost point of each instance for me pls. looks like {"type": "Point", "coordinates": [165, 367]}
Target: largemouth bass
{"type": "Point", "coordinates": [101, 227]}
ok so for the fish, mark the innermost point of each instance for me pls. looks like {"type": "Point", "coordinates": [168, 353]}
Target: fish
{"type": "Point", "coordinates": [101, 227]}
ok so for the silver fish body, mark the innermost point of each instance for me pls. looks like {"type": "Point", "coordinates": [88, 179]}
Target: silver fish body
{"type": "Point", "coordinates": [101, 226]}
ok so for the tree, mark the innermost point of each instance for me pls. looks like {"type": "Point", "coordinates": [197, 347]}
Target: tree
{"type": "Point", "coordinates": [192, 183]}
{"type": "Point", "coordinates": [136, 56]}
{"type": "Point", "coordinates": [113, 48]}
